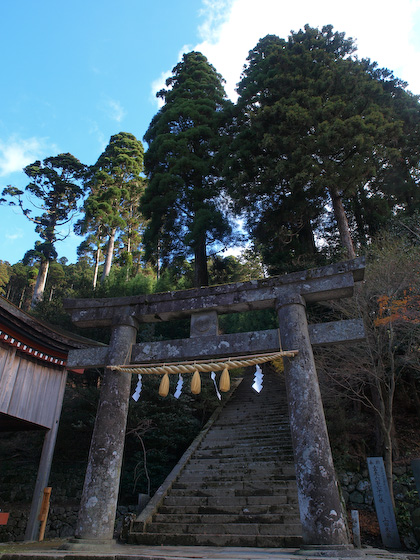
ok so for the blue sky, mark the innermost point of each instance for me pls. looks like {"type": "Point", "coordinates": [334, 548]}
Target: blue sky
{"type": "Point", "coordinates": [76, 72]}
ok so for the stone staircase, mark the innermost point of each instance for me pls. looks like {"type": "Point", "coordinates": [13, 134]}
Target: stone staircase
{"type": "Point", "coordinates": [236, 484]}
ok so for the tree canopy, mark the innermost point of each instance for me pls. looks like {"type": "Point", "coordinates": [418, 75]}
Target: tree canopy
{"type": "Point", "coordinates": [183, 196]}
{"type": "Point", "coordinates": [55, 189]}
{"type": "Point", "coordinates": [314, 127]}
{"type": "Point", "coordinates": [115, 185]}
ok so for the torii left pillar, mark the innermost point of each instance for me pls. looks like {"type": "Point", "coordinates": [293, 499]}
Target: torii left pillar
{"type": "Point", "coordinates": [100, 491]}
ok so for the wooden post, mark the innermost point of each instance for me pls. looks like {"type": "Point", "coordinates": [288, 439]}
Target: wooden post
{"type": "Point", "coordinates": [45, 466]}
{"type": "Point", "coordinates": [43, 514]}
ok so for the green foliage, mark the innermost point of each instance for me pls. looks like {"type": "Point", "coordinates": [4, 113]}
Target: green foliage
{"type": "Point", "coordinates": [403, 510]}
{"type": "Point", "coordinates": [55, 189]}
{"type": "Point", "coordinates": [257, 320]}
{"type": "Point", "coordinates": [182, 199]}
{"type": "Point", "coordinates": [118, 285]}
{"type": "Point", "coordinates": [116, 184]}
{"type": "Point", "coordinates": [5, 272]}
{"type": "Point", "coordinates": [315, 125]}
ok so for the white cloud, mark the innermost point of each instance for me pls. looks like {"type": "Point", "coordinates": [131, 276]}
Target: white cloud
{"type": "Point", "coordinates": [215, 13]}
{"type": "Point", "coordinates": [383, 32]}
{"type": "Point", "coordinates": [159, 84]}
{"type": "Point", "coordinates": [18, 234]}
{"type": "Point", "coordinates": [114, 110]}
{"type": "Point", "coordinates": [16, 153]}
{"type": "Point", "coordinates": [95, 130]}
{"type": "Point", "coordinates": [231, 28]}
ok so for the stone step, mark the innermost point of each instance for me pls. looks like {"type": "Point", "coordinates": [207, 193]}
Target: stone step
{"type": "Point", "coordinates": [276, 455]}
{"type": "Point", "coordinates": [251, 422]}
{"type": "Point", "coordinates": [246, 485]}
{"type": "Point", "coordinates": [239, 486]}
{"type": "Point", "coordinates": [172, 539]}
{"type": "Point", "coordinates": [248, 449]}
{"type": "Point", "coordinates": [243, 450]}
{"type": "Point", "coordinates": [236, 464]}
{"type": "Point", "coordinates": [231, 509]}
{"type": "Point", "coordinates": [240, 445]}
{"type": "Point", "coordinates": [252, 408]}
{"type": "Point", "coordinates": [249, 419]}
{"type": "Point", "coordinates": [245, 430]}
{"type": "Point", "coordinates": [223, 529]}
{"type": "Point", "coordinates": [228, 472]}
{"type": "Point", "coordinates": [218, 518]}
{"type": "Point", "coordinates": [228, 492]}
{"type": "Point", "coordinates": [229, 501]}
{"type": "Point", "coordinates": [228, 439]}
{"type": "Point", "coordinates": [230, 480]}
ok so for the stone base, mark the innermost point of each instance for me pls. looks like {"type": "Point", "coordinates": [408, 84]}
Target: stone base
{"type": "Point", "coordinates": [88, 545]}
{"type": "Point", "coordinates": [330, 551]}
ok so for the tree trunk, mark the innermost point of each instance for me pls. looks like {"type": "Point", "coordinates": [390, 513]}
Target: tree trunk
{"type": "Point", "coordinates": [95, 272]}
{"type": "Point", "coordinates": [109, 255]}
{"type": "Point", "coordinates": [201, 275]}
{"type": "Point", "coordinates": [22, 298]}
{"type": "Point", "coordinates": [342, 222]}
{"type": "Point", "coordinates": [358, 215]}
{"type": "Point", "coordinates": [306, 237]}
{"type": "Point", "coordinates": [40, 282]}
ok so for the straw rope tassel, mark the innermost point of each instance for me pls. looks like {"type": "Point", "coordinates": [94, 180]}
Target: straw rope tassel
{"type": "Point", "coordinates": [196, 383]}
{"type": "Point", "coordinates": [224, 384]}
{"type": "Point", "coordinates": [164, 386]}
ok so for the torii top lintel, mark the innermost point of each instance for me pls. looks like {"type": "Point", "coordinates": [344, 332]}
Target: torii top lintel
{"type": "Point", "coordinates": [320, 284]}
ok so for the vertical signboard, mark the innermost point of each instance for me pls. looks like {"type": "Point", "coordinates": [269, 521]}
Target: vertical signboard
{"type": "Point", "coordinates": [383, 503]}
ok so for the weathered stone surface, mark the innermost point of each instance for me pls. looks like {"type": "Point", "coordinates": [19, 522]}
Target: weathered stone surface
{"type": "Point", "coordinates": [333, 281]}
{"type": "Point", "coordinates": [323, 521]}
{"type": "Point", "coordinates": [256, 342]}
{"type": "Point", "coordinates": [204, 324]}
{"type": "Point", "coordinates": [100, 491]}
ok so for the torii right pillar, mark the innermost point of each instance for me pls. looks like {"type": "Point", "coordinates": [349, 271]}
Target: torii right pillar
{"type": "Point", "coordinates": [321, 512]}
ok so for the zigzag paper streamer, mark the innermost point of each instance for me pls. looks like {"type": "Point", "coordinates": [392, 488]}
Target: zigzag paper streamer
{"type": "Point", "coordinates": [137, 392]}
{"type": "Point", "coordinates": [213, 376]}
{"type": "Point", "coordinates": [258, 379]}
{"type": "Point", "coordinates": [179, 385]}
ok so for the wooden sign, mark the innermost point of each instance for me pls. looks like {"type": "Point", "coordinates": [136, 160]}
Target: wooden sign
{"type": "Point", "coordinates": [383, 503]}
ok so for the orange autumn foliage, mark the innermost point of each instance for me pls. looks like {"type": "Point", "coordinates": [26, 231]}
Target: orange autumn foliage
{"type": "Point", "coordinates": [406, 309]}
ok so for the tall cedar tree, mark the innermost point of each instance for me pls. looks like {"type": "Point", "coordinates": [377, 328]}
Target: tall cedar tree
{"type": "Point", "coordinates": [184, 138]}
{"type": "Point", "coordinates": [313, 126]}
{"type": "Point", "coordinates": [55, 188]}
{"type": "Point", "coordinates": [115, 181]}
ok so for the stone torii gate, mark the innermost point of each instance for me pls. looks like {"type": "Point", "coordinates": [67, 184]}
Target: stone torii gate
{"type": "Point", "coordinates": [321, 512]}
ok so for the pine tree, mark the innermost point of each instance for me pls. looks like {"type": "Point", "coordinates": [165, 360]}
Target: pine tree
{"type": "Point", "coordinates": [55, 189]}
{"type": "Point", "coordinates": [314, 125]}
{"type": "Point", "coordinates": [115, 181]}
{"type": "Point", "coordinates": [183, 196]}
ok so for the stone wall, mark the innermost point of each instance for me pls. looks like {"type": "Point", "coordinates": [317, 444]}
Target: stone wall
{"type": "Point", "coordinates": [61, 521]}
{"type": "Point", "coordinates": [357, 493]}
